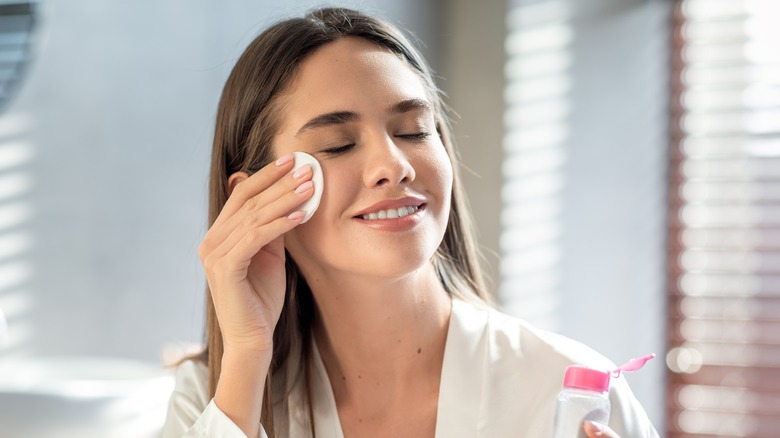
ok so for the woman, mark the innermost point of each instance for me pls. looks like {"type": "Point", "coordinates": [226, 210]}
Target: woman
{"type": "Point", "coordinates": [371, 318]}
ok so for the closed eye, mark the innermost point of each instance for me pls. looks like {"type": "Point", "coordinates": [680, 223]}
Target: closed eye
{"type": "Point", "coordinates": [417, 136]}
{"type": "Point", "coordinates": [338, 150]}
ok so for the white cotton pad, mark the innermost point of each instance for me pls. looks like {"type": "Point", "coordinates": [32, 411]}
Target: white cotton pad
{"type": "Point", "coordinates": [310, 206]}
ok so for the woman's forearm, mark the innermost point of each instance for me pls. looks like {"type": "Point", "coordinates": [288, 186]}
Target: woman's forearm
{"type": "Point", "coordinates": [241, 388]}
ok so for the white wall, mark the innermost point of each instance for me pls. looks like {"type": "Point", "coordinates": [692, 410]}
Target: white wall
{"type": "Point", "coordinates": [107, 148]}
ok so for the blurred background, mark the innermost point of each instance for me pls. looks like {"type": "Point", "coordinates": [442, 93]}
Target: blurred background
{"type": "Point", "coordinates": [622, 160]}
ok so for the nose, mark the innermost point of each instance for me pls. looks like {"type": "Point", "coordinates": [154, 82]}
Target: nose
{"type": "Point", "coordinates": [387, 164]}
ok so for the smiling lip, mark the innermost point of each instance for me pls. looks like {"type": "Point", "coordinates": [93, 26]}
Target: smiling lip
{"type": "Point", "coordinates": [403, 223]}
{"type": "Point", "coordinates": [408, 201]}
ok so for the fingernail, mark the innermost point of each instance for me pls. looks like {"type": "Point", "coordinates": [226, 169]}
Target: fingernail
{"type": "Point", "coordinates": [284, 159]}
{"type": "Point", "coordinates": [596, 427]}
{"type": "Point", "coordinates": [303, 187]}
{"type": "Point", "coordinates": [302, 171]}
{"type": "Point", "coordinates": [296, 215]}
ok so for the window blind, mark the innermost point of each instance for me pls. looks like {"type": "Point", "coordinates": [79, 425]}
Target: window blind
{"type": "Point", "coordinates": [16, 26]}
{"type": "Point", "coordinates": [724, 225]}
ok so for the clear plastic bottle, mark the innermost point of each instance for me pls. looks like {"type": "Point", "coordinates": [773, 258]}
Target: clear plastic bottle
{"type": "Point", "coordinates": [585, 396]}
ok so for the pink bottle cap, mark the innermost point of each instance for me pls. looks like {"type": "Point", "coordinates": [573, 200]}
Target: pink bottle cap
{"type": "Point", "coordinates": [580, 377]}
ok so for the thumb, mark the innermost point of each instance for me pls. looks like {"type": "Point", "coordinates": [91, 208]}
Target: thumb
{"type": "Point", "coordinates": [594, 430]}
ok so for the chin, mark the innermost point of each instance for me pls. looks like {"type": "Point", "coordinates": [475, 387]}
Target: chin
{"type": "Point", "coordinates": [365, 255]}
{"type": "Point", "coordinates": [395, 268]}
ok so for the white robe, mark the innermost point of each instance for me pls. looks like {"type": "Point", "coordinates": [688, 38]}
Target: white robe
{"type": "Point", "coordinates": [500, 378]}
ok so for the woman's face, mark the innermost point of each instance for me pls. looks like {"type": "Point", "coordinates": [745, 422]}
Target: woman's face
{"type": "Point", "coordinates": [365, 115]}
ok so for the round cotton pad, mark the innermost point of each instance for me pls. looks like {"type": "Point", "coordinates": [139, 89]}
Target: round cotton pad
{"type": "Point", "coordinates": [310, 206]}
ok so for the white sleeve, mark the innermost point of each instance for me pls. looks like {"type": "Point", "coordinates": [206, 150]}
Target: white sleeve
{"type": "Point", "coordinates": [190, 412]}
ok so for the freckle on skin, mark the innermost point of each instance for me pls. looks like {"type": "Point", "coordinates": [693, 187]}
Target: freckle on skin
{"type": "Point", "coordinates": [419, 350]}
{"type": "Point", "coordinates": [359, 376]}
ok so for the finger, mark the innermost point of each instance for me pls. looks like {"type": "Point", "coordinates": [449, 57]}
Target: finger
{"type": "Point", "coordinates": [257, 207]}
{"type": "Point", "coordinates": [254, 221]}
{"type": "Point", "coordinates": [292, 182]}
{"type": "Point", "coordinates": [256, 183]}
{"type": "Point", "coordinates": [253, 242]}
{"type": "Point", "coordinates": [597, 430]}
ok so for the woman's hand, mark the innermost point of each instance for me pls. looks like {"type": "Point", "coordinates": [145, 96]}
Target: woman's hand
{"type": "Point", "coordinates": [243, 256]}
{"type": "Point", "coordinates": [243, 253]}
{"type": "Point", "coordinates": [596, 430]}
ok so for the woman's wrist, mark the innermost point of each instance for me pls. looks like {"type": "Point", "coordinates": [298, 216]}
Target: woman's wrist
{"type": "Point", "coordinates": [241, 387]}
{"type": "Point", "coordinates": [237, 354]}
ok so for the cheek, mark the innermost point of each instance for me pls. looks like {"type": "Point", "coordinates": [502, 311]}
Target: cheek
{"type": "Point", "coordinates": [447, 176]}
{"type": "Point", "coordinates": [341, 184]}
{"type": "Point", "coordinates": [437, 170]}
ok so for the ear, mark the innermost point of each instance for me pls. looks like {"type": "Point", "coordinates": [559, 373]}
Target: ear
{"type": "Point", "coordinates": [235, 179]}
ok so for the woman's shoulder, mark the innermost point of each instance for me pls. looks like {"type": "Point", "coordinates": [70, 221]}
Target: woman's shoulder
{"type": "Point", "coordinates": [512, 337]}
{"type": "Point", "coordinates": [195, 369]}
{"type": "Point", "coordinates": [522, 369]}
{"type": "Point", "coordinates": [192, 381]}
{"type": "Point", "coordinates": [191, 412]}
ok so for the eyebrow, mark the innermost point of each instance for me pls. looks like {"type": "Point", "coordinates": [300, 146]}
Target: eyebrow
{"type": "Point", "coordinates": [342, 117]}
{"type": "Point", "coordinates": [407, 105]}
{"type": "Point", "coordinates": [329, 119]}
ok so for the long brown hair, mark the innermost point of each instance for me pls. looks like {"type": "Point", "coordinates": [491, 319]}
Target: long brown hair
{"type": "Point", "coordinates": [247, 120]}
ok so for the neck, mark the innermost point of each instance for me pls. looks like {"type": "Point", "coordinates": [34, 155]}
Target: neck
{"type": "Point", "coordinates": [382, 335]}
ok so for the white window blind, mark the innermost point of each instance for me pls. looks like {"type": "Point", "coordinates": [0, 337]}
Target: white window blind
{"type": "Point", "coordinates": [538, 84]}
{"type": "Point", "coordinates": [724, 264]}
{"type": "Point", "coordinates": [585, 156]}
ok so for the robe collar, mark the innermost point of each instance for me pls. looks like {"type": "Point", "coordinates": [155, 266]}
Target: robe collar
{"type": "Point", "coordinates": [460, 410]}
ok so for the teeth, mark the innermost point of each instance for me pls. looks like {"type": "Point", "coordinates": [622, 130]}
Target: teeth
{"type": "Point", "coordinates": [391, 213]}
